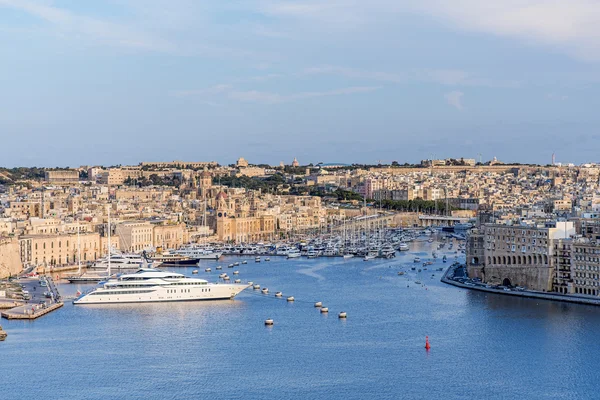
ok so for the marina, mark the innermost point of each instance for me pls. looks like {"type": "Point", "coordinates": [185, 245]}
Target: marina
{"type": "Point", "coordinates": [348, 314]}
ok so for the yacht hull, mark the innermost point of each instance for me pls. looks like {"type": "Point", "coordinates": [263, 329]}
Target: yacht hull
{"type": "Point", "coordinates": [164, 294]}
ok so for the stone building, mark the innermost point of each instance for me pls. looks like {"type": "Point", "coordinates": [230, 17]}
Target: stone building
{"type": "Point", "coordinates": [59, 177]}
{"type": "Point", "coordinates": [517, 254]}
{"type": "Point", "coordinates": [62, 248]}
{"type": "Point", "coordinates": [135, 235]}
{"type": "Point", "coordinates": [585, 267]}
{"type": "Point", "coordinates": [240, 225]}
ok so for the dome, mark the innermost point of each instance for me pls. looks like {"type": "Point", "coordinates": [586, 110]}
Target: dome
{"type": "Point", "coordinates": [222, 196]}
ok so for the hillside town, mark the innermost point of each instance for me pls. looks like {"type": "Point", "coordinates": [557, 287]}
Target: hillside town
{"type": "Point", "coordinates": [532, 225]}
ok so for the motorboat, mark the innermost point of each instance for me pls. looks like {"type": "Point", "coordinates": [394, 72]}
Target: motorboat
{"type": "Point", "coordinates": [293, 253]}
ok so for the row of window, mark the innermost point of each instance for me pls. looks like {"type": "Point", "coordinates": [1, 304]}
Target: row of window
{"type": "Point", "coordinates": [587, 268]}
{"type": "Point", "coordinates": [592, 259]}
{"type": "Point", "coordinates": [585, 250]}
{"type": "Point", "coordinates": [586, 283]}
{"type": "Point", "coordinates": [586, 275]}
{"type": "Point", "coordinates": [121, 292]}
{"type": "Point", "coordinates": [586, 291]}
{"type": "Point", "coordinates": [508, 231]}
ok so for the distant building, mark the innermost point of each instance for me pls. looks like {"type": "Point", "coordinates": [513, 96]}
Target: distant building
{"type": "Point", "coordinates": [241, 162]}
{"type": "Point", "coordinates": [62, 176]}
{"type": "Point", "coordinates": [295, 163]}
{"type": "Point", "coordinates": [180, 164]}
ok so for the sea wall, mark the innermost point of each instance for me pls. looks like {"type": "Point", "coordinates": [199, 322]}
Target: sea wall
{"type": "Point", "coordinates": [10, 261]}
{"type": "Point", "coordinates": [535, 278]}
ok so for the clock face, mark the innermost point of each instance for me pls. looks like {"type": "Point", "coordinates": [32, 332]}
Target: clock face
{"type": "Point", "coordinates": [220, 214]}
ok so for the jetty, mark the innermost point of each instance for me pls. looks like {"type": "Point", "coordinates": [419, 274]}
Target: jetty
{"type": "Point", "coordinates": [36, 303]}
{"type": "Point", "coordinates": [29, 311]}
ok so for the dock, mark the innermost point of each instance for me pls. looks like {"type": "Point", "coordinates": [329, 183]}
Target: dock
{"type": "Point", "coordinates": [28, 311]}
{"type": "Point", "coordinates": [41, 302]}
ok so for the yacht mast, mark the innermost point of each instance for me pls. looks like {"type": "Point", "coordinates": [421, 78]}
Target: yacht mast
{"type": "Point", "coordinates": [109, 272]}
{"type": "Point", "coordinates": [78, 250]}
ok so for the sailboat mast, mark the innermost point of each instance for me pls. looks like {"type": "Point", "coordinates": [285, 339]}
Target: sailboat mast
{"type": "Point", "coordinates": [78, 249]}
{"type": "Point", "coordinates": [109, 271]}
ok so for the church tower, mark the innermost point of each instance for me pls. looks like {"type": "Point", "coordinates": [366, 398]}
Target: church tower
{"type": "Point", "coordinates": [205, 183]}
{"type": "Point", "coordinates": [223, 222]}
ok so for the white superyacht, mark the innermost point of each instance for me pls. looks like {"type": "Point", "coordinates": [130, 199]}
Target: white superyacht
{"type": "Point", "coordinates": [155, 285]}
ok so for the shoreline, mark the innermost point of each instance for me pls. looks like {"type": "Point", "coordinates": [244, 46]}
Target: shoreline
{"type": "Point", "coordinates": [525, 294]}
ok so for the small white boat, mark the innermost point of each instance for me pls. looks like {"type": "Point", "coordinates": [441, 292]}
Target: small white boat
{"type": "Point", "coordinates": [293, 253]}
{"type": "Point", "coordinates": [244, 262]}
{"type": "Point", "coordinates": [346, 256]}
{"type": "Point", "coordinates": [257, 259]}
{"type": "Point", "coordinates": [417, 260]}
{"type": "Point", "coordinates": [403, 247]}
{"type": "Point", "coordinates": [195, 272]}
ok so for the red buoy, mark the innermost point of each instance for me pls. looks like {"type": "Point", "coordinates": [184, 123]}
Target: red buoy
{"type": "Point", "coordinates": [427, 346]}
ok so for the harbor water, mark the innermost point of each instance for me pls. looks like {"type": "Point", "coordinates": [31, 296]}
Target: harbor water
{"type": "Point", "coordinates": [482, 345]}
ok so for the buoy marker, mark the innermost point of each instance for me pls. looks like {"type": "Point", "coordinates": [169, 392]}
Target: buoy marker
{"type": "Point", "coordinates": [427, 345]}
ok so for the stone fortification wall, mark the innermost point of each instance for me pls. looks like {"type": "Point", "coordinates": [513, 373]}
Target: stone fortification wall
{"type": "Point", "coordinates": [534, 278]}
{"type": "Point", "coordinates": [10, 261]}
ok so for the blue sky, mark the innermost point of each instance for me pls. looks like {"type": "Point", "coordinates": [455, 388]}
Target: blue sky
{"type": "Point", "coordinates": [121, 81]}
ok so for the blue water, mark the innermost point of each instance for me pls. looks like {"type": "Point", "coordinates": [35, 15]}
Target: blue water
{"type": "Point", "coordinates": [483, 345]}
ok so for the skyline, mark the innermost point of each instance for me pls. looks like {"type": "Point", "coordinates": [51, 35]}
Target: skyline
{"type": "Point", "coordinates": [121, 81]}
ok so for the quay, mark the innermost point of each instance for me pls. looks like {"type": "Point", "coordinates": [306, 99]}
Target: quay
{"type": "Point", "coordinates": [28, 311]}
{"type": "Point", "coordinates": [448, 278]}
{"type": "Point", "coordinates": [39, 303]}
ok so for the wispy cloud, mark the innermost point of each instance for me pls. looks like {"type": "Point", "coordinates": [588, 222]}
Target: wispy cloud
{"type": "Point", "coordinates": [446, 77]}
{"type": "Point", "coordinates": [69, 23]}
{"type": "Point", "coordinates": [264, 97]}
{"type": "Point", "coordinates": [216, 89]}
{"type": "Point", "coordinates": [454, 98]}
{"type": "Point", "coordinates": [273, 98]}
{"type": "Point", "coordinates": [556, 97]}
{"type": "Point", "coordinates": [569, 25]}
{"type": "Point", "coordinates": [356, 73]}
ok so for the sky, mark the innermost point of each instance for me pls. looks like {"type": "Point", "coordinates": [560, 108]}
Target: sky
{"type": "Point", "coordinates": [123, 81]}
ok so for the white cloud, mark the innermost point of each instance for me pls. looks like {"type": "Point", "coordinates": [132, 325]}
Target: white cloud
{"type": "Point", "coordinates": [274, 98]}
{"type": "Point", "coordinates": [569, 25]}
{"type": "Point", "coordinates": [68, 23]}
{"type": "Point", "coordinates": [454, 98]}
{"type": "Point", "coordinates": [216, 89]}
{"type": "Point", "coordinates": [257, 96]}
{"type": "Point", "coordinates": [446, 77]}
{"type": "Point", "coordinates": [556, 97]}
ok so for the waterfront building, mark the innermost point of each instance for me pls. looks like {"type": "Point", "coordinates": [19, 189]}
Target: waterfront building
{"type": "Point", "coordinates": [517, 254]}
{"type": "Point", "coordinates": [585, 267]}
{"type": "Point", "coordinates": [60, 249]}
